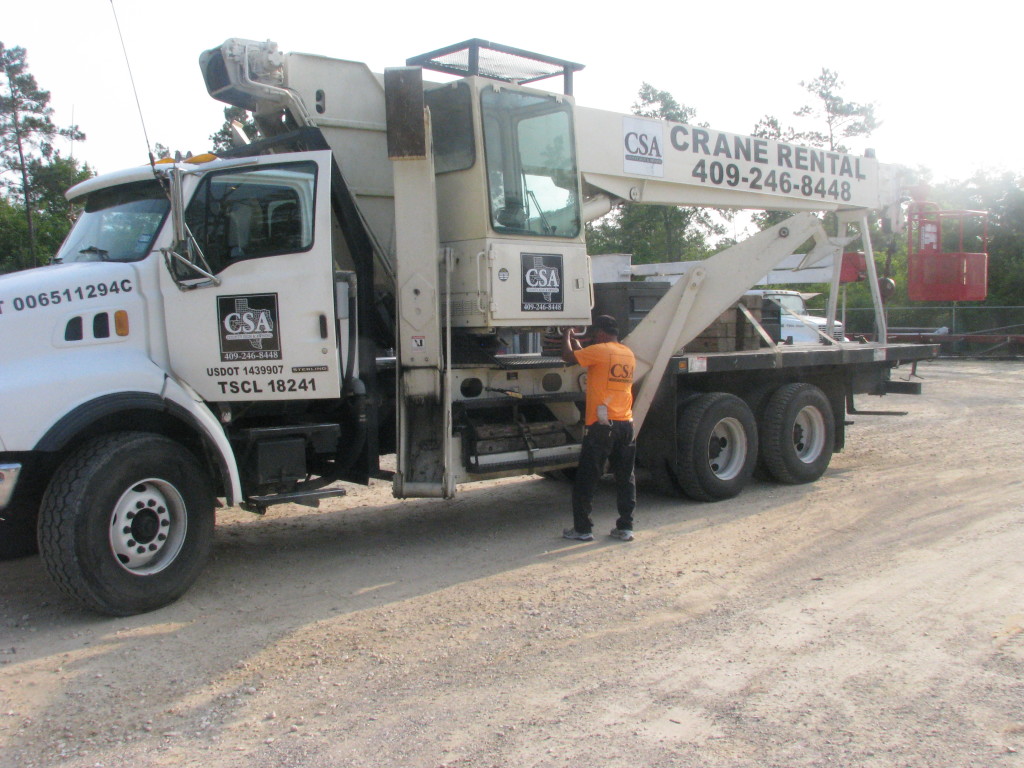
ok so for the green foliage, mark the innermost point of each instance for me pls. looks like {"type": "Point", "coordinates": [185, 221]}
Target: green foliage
{"type": "Point", "coordinates": [224, 138]}
{"type": "Point", "coordinates": [839, 118]}
{"type": "Point", "coordinates": [50, 180]}
{"type": "Point", "coordinates": [769, 127]}
{"type": "Point", "coordinates": [661, 105]}
{"type": "Point", "coordinates": [13, 238]}
{"type": "Point", "coordinates": [655, 233]}
{"type": "Point", "coordinates": [52, 213]}
{"type": "Point", "coordinates": [33, 175]}
{"type": "Point", "coordinates": [827, 121]}
{"type": "Point", "coordinates": [26, 125]}
{"type": "Point", "coordinates": [1002, 195]}
{"type": "Point", "coordinates": [832, 119]}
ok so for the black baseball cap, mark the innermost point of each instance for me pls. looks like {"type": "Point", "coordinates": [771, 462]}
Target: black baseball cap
{"type": "Point", "coordinates": [607, 323]}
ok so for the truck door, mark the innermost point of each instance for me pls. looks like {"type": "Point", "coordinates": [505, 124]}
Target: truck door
{"type": "Point", "coordinates": [267, 331]}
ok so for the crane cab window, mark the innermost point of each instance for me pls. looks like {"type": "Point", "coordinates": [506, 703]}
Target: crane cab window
{"type": "Point", "coordinates": [252, 213]}
{"type": "Point", "coordinates": [531, 164]}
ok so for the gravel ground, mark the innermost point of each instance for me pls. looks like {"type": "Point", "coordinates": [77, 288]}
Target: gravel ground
{"type": "Point", "coordinates": [874, 618]}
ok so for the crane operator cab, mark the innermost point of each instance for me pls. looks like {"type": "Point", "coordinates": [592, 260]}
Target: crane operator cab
{"type": "Point", "coordinates": [508, 188]}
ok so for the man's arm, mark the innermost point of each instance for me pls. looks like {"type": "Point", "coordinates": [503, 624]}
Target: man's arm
{"type": "Point", "coordinates": [569, 346]}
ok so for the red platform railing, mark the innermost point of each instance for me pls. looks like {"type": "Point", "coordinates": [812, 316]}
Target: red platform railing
{"type": "Point", "coordinates": [940, 266]}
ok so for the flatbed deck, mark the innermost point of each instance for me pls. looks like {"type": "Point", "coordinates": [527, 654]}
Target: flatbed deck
{"type": "Point", "coordinates": [802, 355]}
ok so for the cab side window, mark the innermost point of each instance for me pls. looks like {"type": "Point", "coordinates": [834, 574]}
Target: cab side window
{"type": "Point", "coordinates": [245, 214]}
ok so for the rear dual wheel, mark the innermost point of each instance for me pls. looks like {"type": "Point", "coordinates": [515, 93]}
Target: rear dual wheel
{"type": "Point", "coordinates": [797, 433]}
{"type": "Point", "coordinates": [719, 440]}
{"type": "Point", "coordinates": [717, 446]}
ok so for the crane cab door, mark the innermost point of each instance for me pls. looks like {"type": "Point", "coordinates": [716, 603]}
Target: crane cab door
{"type": "Point", "coordinates": [267, 331]}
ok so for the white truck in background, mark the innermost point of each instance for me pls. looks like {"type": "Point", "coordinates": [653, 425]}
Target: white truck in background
{"type": "Point", "coordinates": [798, 325]}
{"type": "Point", "coordinates": [257, 328]}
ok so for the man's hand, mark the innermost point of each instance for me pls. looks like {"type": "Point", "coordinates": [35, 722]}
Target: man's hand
{"type": "Point", "coordinates": [569, 346]}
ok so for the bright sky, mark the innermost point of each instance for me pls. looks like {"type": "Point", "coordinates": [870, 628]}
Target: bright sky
{"type": "Point", "coordinates": [944, 82]}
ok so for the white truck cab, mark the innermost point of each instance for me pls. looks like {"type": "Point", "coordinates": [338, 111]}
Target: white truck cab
{"type": "Point", "coordinates": [798, 325]}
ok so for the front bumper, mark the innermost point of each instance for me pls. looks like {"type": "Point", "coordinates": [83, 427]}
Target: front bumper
{"type": "Point", "coordinates": [9, 474]}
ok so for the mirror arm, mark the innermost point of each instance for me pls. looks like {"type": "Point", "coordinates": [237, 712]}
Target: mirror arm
{"type": "Point", "coordinates": [184, 241]}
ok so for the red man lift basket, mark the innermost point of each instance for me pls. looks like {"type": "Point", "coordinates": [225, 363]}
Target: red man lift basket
{"type": "Point", "coordinates": [941, 263]}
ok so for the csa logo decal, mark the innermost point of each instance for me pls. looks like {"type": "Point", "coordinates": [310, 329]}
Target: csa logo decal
{"type": "Point", "coordinates": [249, 328]}
{"type": "Point", "coordinates": [642, 142]}
{"type": "Point", "coordinates": [542, 282]}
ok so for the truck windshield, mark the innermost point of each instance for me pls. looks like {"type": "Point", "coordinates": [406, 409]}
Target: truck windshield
{"type": "Point", "coordinates": [531, 164]}
{"type": "Point", "coordinates": [790, 303]}
{"type": "Point", "coordinates": [117, 224]}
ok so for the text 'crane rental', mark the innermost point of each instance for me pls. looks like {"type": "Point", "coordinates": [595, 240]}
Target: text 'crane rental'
{"type": "Point", "coordinates": [760, 165]}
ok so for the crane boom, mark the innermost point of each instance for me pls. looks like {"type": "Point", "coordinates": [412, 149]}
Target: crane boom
{"type": "Point", "coordinates": [656, 161]}
{"type": "Point", "coordinates": [705, 289]}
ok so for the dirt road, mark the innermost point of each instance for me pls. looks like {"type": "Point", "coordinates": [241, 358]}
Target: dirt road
{"type": "Point", "coordinates": [874, 618]}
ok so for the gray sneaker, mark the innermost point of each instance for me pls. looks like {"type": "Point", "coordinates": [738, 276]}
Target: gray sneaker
{"type": "Point", "coordinates": [621, 534]}
{"type": "Point", "coordinates": [572, 533]}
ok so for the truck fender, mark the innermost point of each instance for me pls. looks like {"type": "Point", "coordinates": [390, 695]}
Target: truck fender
{"type": "Point", "coordinates": [210, 427]}
{"type": "Point", "coordinates": [173, 400]}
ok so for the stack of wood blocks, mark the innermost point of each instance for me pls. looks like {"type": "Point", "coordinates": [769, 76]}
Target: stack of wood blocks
{"type": "Point", "coordinates": [731, 331]}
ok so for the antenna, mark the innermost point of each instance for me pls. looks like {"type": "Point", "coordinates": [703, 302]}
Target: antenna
{"type": "Point", "coordinates": [131, 77]}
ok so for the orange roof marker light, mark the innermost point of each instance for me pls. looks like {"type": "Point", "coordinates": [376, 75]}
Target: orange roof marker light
{"type": "Point", "coordinates": [205, 157]}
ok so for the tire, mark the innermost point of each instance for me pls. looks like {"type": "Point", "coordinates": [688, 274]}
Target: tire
{"type": "Point", "coordinates": [126, 523]}
{"type": "Point", "coordinates": [797, 434]}
{"type": "Point", "coordinates": [757, 399]}
{"type": "Point", "coordinates": [717, 447]}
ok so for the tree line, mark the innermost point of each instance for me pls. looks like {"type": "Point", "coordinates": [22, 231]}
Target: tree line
{"type": "Point", "coordinates": [34, 174]}
{"type": "Point", "coordinates": [829, 121]}
{"type": "Point", "coordinates": [35, 216]}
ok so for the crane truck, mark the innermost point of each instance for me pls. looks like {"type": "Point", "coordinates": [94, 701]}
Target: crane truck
{"type": "Point", "coordinates": [263, 326]}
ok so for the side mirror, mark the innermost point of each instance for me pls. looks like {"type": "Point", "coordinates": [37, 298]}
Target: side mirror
{"type": "Point", "coordinates": [184, 259]}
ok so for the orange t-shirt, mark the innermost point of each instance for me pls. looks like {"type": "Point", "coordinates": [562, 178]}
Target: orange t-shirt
{"type": "Point", "coordinates": [610, 369]}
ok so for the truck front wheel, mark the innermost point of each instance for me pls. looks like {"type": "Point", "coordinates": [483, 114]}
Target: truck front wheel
{"type": "Point", "coordinates": [717, 446]}
{"type": "Point", "coordinates": [126, 523]}
{"type": "Point", "coordinates": [797, 434]}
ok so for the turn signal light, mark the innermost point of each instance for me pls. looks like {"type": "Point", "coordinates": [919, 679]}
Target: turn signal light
{"type": "Point", "coordinates": [121, 322]}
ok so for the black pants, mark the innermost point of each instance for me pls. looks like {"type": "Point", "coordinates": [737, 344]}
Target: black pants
{"type": "Point", "coordinates": [601, 443]}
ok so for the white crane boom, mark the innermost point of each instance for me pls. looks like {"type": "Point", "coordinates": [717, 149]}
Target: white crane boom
{"type": "Point", "coordinates": [657, 161]}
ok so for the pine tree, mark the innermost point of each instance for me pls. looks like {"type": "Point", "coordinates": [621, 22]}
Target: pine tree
{"type": "Point", "coordinates": [27, 133]}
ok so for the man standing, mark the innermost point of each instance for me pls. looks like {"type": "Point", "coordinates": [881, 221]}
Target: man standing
{"type": "Point", "coordinates": [609, 427]}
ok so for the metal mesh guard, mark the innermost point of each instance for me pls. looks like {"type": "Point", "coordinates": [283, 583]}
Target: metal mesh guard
{"type": "Point", "coordinates": [502, 66]}
{"type": "Point", "coordinates": [499, 62]}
